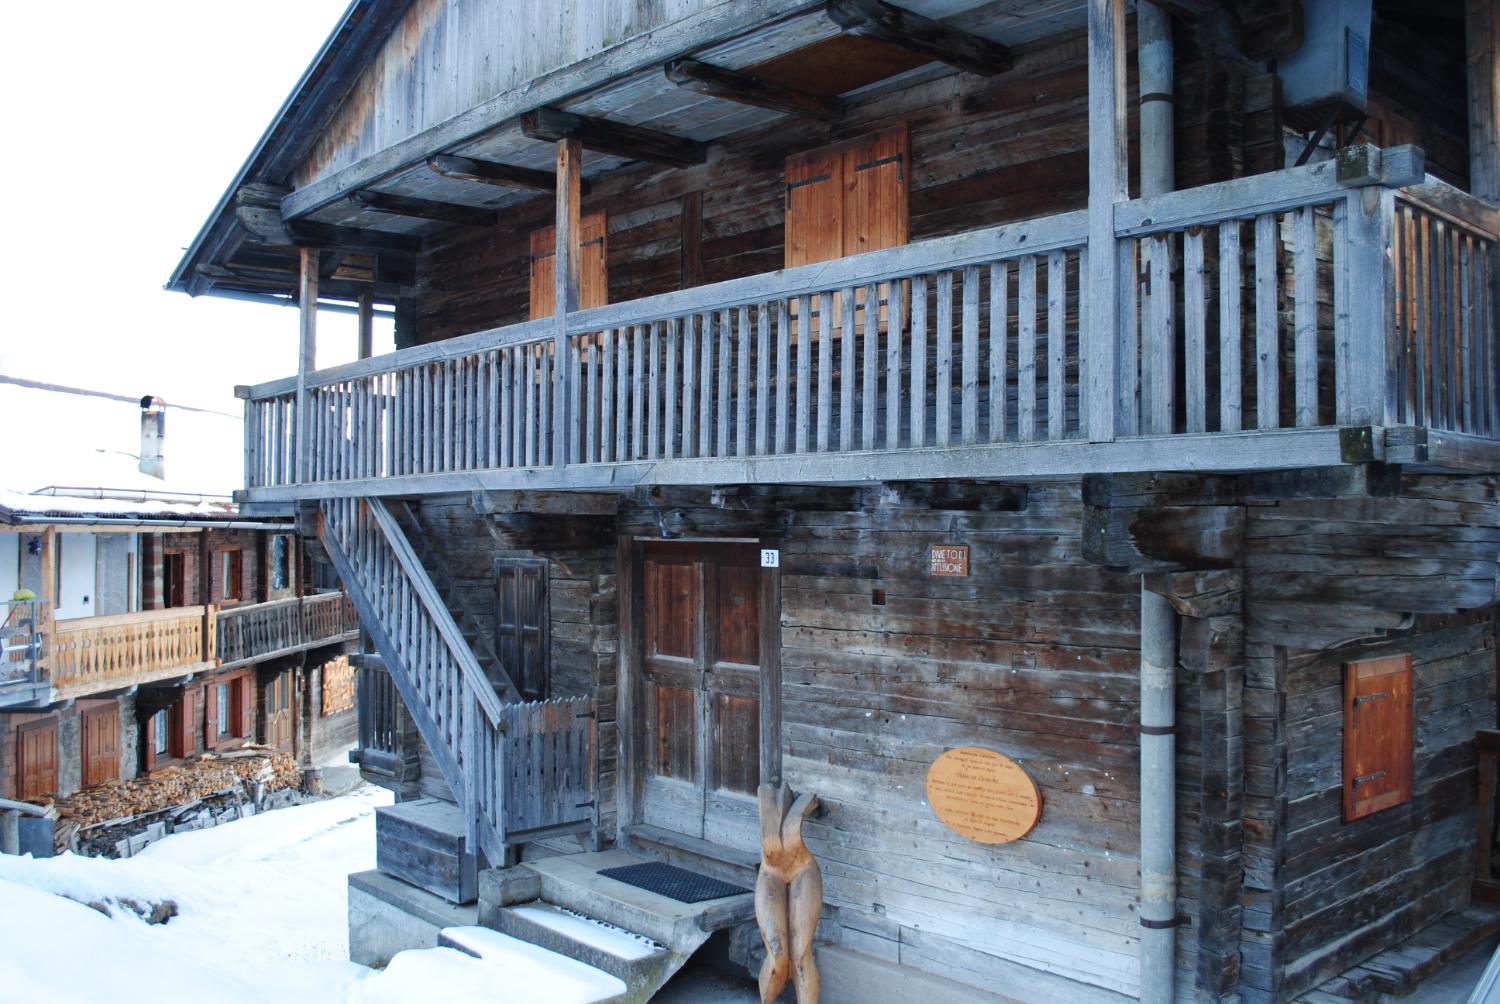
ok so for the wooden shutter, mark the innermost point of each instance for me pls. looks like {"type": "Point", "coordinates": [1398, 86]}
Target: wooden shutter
{"type": "Point", "coordinates": [37, 766]}
{"type": "Point", "coordinates": [1377, 735]}
{"type": "Point", "coordinates": [849, 198]}
{"type": "Point", "coordinates": [242, 701]}
{"type": "Point", "coordinates": [101, 745]}
{"type": "Point", "coordinates": [521, 623]}
{"type": "Point", "coordinates": [182, 718]}
{"type": "Point", "coordinates": [593, 265]}
{"type": "Point", "coordinates": [211, 714]}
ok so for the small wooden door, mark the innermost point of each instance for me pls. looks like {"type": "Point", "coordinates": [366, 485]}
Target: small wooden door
{"type": "Point", "coordinates": [174, 579]}
{"type": "Point", "coordinates": [101, 745]}
{"type": "Point", "coordinates": [279, 724]}
{"type": "Point", "coordinates": [37, 766]}
{"type": "Point", "coordinates": [700, 689]}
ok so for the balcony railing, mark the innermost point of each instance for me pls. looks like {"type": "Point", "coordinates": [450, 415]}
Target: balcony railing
{"type": "Point", "coordinates": [1286, 303]}
{"type": "Point", "coordinates": [91, 654]}
{"type": "Point", "coordinates": [22, 628]}
{"type": "Point", "coordinates": [280, 627]}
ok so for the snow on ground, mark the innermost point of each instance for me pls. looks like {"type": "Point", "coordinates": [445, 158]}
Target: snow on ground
{"type": "Point", "coordinates": [262, 916]}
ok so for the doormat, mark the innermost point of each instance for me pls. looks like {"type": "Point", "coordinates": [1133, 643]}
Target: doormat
{"type": "Point", "coordinates": [673, 882]}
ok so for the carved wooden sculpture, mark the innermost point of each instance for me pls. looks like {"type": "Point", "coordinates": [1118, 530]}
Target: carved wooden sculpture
{"type": "Point", "coordinates": [788, 895]}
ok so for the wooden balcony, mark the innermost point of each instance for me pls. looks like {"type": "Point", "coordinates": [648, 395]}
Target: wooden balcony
{"type": "Point", "coordinates": [261, 631]}
{"type": "Point", "coordinates": [95, 654]}
{"type": "Point", "coordinates": [1334, 313]}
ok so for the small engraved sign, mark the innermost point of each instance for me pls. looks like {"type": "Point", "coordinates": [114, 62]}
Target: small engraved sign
{"type": "Point", "coordinates": [983, 795]}
{"type": "Point", "coordinates": [950, 559]}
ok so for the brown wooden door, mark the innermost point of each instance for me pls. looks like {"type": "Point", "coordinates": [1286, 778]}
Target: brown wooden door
{"type": "Point", "coordinates": [701, 689]}
{"type": "Point", "coordinates": [101, 745]}
{"type": "Point", "coordinates": [37, 766]}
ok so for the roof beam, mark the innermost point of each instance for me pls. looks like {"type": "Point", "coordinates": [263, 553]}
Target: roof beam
{"type": "Point", "coordinates": [603, 136]}
{"type": "Point", "coordinates": [309, 233]}
{"type": "Point", "coordinates": [732, 85]}
{"type": "Point", "coordinates": [489, 172]}
{"type": "Point", "coordinates": [896, 26]}
{"type": "Point", "coordinates": [424, 209]}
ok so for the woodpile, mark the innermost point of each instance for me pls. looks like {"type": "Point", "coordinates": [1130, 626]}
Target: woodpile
{"type": "Point", "coordinates": [212, 774]}
{"type": "Point", "coordinates": [338, 686]}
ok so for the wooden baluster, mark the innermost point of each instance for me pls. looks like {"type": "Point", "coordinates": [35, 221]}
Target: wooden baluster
{"type": "Point", "coordinates": [607, 402]}
{"type": "Point", "coordinates": [1194, 327]}
{"type": "Point", "coordinates": [1466, 330]}
{"type": "Point", "coordinates": [593, 347]}
{"type": "Point", "coordinates": [783, 375]}
{"type": "Point", "coordinates": [846, 370]}
{"type": "Point", "coordinates": [999, 311]}
{"type": "Point", "coordinates": [637, 394]}
{"type": "Point", "coordinates": [1267, 336]}
{"type": "Point", "coordinates": [894, 337]}
{"type": "Point", "coordinates": [870, 385]}
{"type": "Point", "coordinates": [742, 385]}
{"type": "Point", "coordinates": [673, 401]}
{"type": "Point", "coordinates": [1026, 351]}
{"type": "Point", "coordinates": [804, 372]}
{"type": "Point", "coordinates": [706, 386]}
{"type": "Point", "coordinates": [689, 384]}
{"type": "Point", "coordinates": [726, 361]}
{"type": "Point", "coordinates": [1161, 340]}
{"type": "Point", "coordinates": [825, 369]}
{"type": "Point", "coordinates": [918, 388]}
{"type": "Point", "coordinates": [1057, 345]}
{"type": "Point", "coordinates": [942, 391]}
{"type": "Point", "coordinates": [969, 354]}
{"type": "Point", "coordinates": [1305, 347]}
{"type": "Point", "coordinates": [653, 391]}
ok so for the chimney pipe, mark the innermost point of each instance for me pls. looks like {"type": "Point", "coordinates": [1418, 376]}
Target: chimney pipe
{"type": "Point", "coordinates": [153, 431]}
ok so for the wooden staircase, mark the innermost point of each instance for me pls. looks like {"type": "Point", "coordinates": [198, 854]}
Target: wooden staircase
{"type": "Point", "coordinates": [483, 737]}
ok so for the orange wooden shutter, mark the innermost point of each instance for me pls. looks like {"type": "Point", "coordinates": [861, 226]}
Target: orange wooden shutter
{"type": "Point", "coordinates": [211, 714]}
{"type": "Point", "coordinates": [1377, 735]}
{"type": "Point", "coordinates": [875, 182]}
{"type": "Point", "coordinates": [593, 265]}
{"type": "Point", "coordinates": [814, 207]}
{"type": "Point", "coordinates": [242, 704]}
{"type": "Point", "coordinates": [182, 736]}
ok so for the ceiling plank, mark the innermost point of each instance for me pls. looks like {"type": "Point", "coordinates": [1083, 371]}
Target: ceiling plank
{"type": "Point", "coordinates": [732, 85]}
{"type": "Point", "coordinates": [489, 172]}
{"type": "Point", "coordinates": [309, 233]}
{"type": "Point", "coordinates": [424, 209]}
{"type": "Point", "coordinates": [897, 26]}
{"type": "Point", "coordinates": [603, 136]}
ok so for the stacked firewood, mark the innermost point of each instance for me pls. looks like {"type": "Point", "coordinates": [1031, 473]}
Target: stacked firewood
{"type": "Point", "coordinates": [213, 774]}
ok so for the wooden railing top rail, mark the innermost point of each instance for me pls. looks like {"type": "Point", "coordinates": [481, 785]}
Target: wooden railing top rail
{"type": "Point", "coordinates": [1036, 236]}
{"type": "Point", "coordinates": [1456, 206]}
{"type": "Point", "coordinates": [245, 609]}
{"type": "Point", "coordinates": [81, 624]}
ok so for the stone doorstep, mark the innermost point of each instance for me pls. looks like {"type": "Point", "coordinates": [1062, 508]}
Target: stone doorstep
{"type": "Point", "coordinates": [1400, 970]}
{"type": "Point", "coordinates": [646, 968]}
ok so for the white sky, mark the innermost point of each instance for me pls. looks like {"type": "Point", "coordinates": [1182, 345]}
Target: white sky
{"type": "Point", "coordinates": [126, 122]}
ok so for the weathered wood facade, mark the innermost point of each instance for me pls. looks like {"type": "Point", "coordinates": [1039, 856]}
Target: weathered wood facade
{"type": "Point", "coordinates": [1227, 441]}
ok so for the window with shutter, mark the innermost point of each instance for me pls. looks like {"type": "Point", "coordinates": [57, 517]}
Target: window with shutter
{"type": "Point", "coordinates": [242, 706]}
{"type": "Point", "coordinates": [1377, 735]}
{"type": "Point", "coordinates": [214, 720]}
{"type": "Point", "coordinates": [182, 718]}
{"type": "Point", "coordinates": [848, 199]}
{"type": "Point", "coordinates": [521, 623]}
{"type": "Point", "coordinates": [593, 265]}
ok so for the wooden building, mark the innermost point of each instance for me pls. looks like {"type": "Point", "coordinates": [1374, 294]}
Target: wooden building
{"type": "Point", "coordinates": [806, 390]}
{"type": "Point", "coordinates": [158, 629]}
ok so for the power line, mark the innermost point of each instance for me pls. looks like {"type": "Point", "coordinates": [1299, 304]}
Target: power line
{"type": "Point", "coordinates": [60, 389]}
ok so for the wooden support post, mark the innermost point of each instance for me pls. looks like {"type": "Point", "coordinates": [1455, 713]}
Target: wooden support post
{"type": "Point", "coordinates": [565, 262]}
{"type": "Point", "coordinates": [1482, 35]}
{"type": "Point", "coordinates": [366, 325]}
{"type": "Point", "coordinates": [307, 355]}
{"type": "Point", "coordinates": [1365, 327]}
{"type": "Point", "coordinates": [1108, 184]}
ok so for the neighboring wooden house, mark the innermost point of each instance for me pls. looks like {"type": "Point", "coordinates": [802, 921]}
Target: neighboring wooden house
{"type": "Point", "coordinates": [918, 385]}
{"type": "Point", "coordinates": [161, 625]}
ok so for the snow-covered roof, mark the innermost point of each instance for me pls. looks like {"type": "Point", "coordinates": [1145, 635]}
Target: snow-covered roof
{"type": "Point", "coordinates": [101, 504]}
{"type": "Point", "coordinates": [55, 438]}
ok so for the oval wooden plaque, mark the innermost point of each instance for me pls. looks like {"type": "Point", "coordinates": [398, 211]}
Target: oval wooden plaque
{"type": "Point", "coordinates": [983, 795]}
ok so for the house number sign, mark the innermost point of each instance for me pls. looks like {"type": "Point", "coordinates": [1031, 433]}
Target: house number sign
{"type": "Point", "coordinates": [983, 795]}
{"type": "Point", "coordinates": [950, 559]}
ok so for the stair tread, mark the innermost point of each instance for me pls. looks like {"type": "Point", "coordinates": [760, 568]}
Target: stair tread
{"type": "Point", "coordinates": [616, 941]}
{"type": "Point", "coordinates": [531, 965]}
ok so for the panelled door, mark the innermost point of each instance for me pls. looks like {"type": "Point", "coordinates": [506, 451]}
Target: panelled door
{"type": "Point", "coordinates": [37, 763]}
{"type": "Point", "coordinates": [700, 689]}
{"type": "Point", "coordinates": [279, 724]}
{"type": "Point", "coordinates": [101, 745]}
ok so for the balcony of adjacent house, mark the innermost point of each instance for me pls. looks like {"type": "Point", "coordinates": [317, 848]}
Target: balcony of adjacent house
{"type": "Point", "coordinates": [1332, 313]}
{"type": "Point", "coordinates": [45, 658]}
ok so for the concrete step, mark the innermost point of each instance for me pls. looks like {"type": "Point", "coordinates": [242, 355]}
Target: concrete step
{"type": "Point", "coordinates": [572, 881]}
{"type": "Point", "coordinates": [519, 961]}
{"type": "Point", "coordinates": [632, 958]}
{"type": "Point", "coordinates": [1400, 970]}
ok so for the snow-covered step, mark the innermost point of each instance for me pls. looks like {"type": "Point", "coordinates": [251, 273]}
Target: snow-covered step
{"type": "Point", "coordinates": [631, 957]}
{"type": "Point", "coordinates": [545, 974]}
